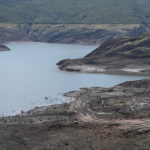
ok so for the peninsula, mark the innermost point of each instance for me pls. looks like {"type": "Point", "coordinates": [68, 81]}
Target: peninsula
{"type": "Point", "coordinates": [120, 54]}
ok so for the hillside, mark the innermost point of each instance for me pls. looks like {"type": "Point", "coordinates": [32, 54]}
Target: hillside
{"type": "Point", "coordinates": [68, 33]}
{"type": "Point", "coordinates": [121, 54]}
{"type": "Point", "coordinates": [143, 3]}
{"type": "Point", "coordinates": [138, 47]}
{"type": "Point", "coordinates": [74, 11]}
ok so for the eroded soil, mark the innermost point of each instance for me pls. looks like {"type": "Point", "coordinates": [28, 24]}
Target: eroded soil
{"type": "Point", "coordinates": [116, 118]}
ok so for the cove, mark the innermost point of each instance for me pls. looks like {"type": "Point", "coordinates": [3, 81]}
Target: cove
{"type": "Point", "coordinates": [29, 76]}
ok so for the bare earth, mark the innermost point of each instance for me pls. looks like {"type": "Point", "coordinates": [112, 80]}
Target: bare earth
{"type": "Point", "coordinates": [116, 118]}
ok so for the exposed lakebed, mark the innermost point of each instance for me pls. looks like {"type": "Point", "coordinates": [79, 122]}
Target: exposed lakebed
{"type": "Point", "coordinates": [29, 76]}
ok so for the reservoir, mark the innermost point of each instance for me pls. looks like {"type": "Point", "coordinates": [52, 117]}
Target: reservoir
{"type": "Point", "coordinates": [29, 76]}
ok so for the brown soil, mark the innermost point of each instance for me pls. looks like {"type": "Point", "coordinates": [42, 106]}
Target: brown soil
{"type": "Point", "coordinates": [116, 118]}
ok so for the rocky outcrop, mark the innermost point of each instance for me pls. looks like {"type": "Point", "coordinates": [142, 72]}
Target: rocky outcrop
{"type": "Point", "coordinates": [121, 54]}
{"type": "Point", "coordinates": [127, 100]}
{"type": "Point", "coordinates": [4, 48]}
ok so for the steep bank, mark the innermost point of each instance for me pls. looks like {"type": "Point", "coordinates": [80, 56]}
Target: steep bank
{"type": "Point", "coordinates": [121, 54]}
{"type": "Point", "coordinates": [113, 118]}
{"type": "Point", "coordinates": [68, 33]}
{"type": "Point", "coordinates": [4, 48]}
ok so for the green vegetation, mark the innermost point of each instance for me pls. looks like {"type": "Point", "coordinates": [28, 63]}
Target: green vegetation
{"type": "Point", "coordinates": [74, 11]}
{"type": "Point", "coordinates": [139, 47]}
{"type": "Point", "coordinates": [140, 143]}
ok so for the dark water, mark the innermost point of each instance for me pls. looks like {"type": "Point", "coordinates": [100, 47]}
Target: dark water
{"type": "Point", "coordinates": [28, 74]}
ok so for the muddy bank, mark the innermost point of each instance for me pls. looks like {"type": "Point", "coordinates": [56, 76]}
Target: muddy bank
{"type": "Point", "coordinates": [115, 118]}
{"type": "Point", "coordinates": [4, 48]}
{"type": "Point", "coordinates": [121, 54]}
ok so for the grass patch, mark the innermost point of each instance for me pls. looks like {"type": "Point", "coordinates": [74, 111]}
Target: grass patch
{"type": "Point", "coordinates": [142, 143]}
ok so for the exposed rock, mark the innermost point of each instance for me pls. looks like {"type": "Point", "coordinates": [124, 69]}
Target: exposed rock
{"type": "Point", "coordinates": [129, 99]}
{"type": "Point", "coordinates": [121, 54]}
{"type": "Point", "coordinates": [113, 118]}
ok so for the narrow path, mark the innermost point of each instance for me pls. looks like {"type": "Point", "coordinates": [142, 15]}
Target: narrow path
{"type": "Point", "coordinates": [85, 113]}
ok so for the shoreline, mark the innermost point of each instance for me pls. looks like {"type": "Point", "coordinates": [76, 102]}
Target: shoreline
{"type": "Point", "coordinates": [85, 34]}
{"type": "Point", "coordinates": [121, 54]}
{"type": "Point", "coordinates": [18, 42]}
{"type": "Point", "coordinates": [113, 116]}
{"type": "Point", "coordinates": [26, 42]}
{"type": "Point", "coordinates": [103, 69]}
{"type": "Point", "coordinates": [74, 96]}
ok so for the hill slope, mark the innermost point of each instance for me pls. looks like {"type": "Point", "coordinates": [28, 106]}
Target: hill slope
{"type": "Point", "coordinates": [121, 54]}
{"type": "Point", "coordinates": [73, 11]}
{"type": "Point", "coordinates": [68, 33]}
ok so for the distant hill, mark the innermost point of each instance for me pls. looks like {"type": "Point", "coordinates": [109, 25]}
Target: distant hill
{"type": "Point", "coordinates": [75, 11]}
{"type": "Point", "coordinates": [143, 3]}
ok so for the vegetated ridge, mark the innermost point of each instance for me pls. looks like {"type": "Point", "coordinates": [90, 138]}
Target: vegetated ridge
{"type": "Point", "coordinates": [121, 54]}
{"type": "Point", "coordinates": [74, 11]}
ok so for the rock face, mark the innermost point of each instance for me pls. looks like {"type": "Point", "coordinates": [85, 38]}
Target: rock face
{"type": "Point", "coordinates": [4, 48]}
{"type": "Point", "coordinates": [121, 54]}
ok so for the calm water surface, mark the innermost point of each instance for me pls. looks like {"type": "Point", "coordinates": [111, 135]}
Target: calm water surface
{"type": "Point", "coordinates": [28, 74]}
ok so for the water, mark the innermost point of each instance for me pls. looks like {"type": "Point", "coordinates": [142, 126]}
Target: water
{"type": "Point", "coordinates": [28, 74]}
